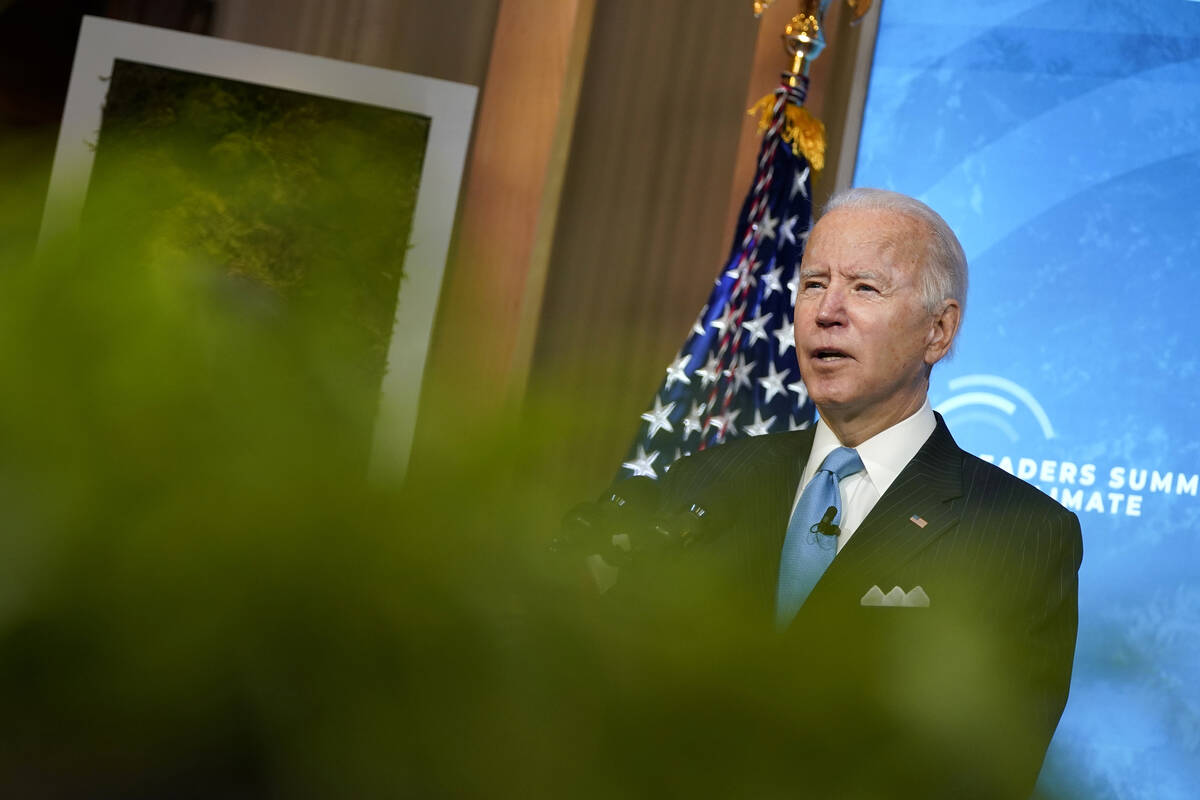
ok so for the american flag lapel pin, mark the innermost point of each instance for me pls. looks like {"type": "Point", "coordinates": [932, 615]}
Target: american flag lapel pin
{"type": "Point", "coordinates": [918, 521]}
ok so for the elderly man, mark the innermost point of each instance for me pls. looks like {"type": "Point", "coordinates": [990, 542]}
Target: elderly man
{"type": "Point", "coordinates": [930, 597]}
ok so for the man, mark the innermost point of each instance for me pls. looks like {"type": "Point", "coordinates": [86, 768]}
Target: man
{"type": "Point", "coordinates": [952, 685]}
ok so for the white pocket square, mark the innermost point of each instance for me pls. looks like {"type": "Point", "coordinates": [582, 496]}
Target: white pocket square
{"type": "Point", "coordinates": [897, 597]}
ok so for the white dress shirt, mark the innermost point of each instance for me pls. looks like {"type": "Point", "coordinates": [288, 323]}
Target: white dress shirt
{"type": "Point", "coordinates": [884, 455]}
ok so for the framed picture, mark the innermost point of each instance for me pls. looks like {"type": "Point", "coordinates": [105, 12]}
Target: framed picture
{"type": "Point", "coordinates": [329, 182]}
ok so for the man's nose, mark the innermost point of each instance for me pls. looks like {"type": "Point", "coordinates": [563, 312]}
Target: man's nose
{"type": "Point", "coordinates": [831, 310]}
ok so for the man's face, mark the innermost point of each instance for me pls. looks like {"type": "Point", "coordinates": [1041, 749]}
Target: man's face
{"type": "Point", "coordinates": [864, 338]}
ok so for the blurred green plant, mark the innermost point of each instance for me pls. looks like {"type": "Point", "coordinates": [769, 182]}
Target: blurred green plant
{"type": "Point", "coordinates": [200, 595]}
{"type": "Point", "coordinates": [200, 592]}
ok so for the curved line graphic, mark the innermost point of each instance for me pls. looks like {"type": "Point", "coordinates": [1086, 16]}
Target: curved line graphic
{"type": "Point", "coordinates": [1019, 159]}
{"type": "Point", "coordinates": [989, 419]}
{"type": "Point", "coordinates": [963, 29]}
{"type": "Point", "coordinates": [959, 24]}
{"type": "Point", "coordinates": [1015, 389]}
{"type": "Point", "coordinates": [976, 399]}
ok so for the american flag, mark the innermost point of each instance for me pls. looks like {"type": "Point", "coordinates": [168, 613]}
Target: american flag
{"type": "Point", "coordinates": [736, 374]}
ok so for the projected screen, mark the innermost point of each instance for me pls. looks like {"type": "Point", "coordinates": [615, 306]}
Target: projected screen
{"type": "Point", "coordinates": [1061, 140]}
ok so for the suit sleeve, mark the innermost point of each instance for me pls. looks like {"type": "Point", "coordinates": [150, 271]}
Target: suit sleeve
{"type": "Point", "coordinates": [1048, 638]}
{"type": "Point", "coordinates": [1033, 649]}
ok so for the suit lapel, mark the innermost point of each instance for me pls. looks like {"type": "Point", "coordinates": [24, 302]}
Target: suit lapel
{"type": "Point", "coordinates": [792, 458]}
{"type": "Point", "coordinates": [889, 537]}
{"type": "Point", "coordinates": [764, 503]}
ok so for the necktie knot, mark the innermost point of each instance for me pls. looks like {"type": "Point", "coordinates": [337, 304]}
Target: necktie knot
{"type": "Point", "coordinates": [842, 462]}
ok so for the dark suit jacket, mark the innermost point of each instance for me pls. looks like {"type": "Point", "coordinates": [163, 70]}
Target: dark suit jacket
{"type": "Point", "coordinates": [959, 699]}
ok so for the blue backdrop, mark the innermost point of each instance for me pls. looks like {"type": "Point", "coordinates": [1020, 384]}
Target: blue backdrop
{"type": "Point", "coordinates": [1061, 140]}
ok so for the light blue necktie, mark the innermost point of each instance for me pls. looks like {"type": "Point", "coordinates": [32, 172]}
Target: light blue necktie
{"type": "Point", "coordinates": [806, 555]}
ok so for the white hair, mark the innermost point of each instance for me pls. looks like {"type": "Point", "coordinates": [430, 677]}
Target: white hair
{"type": "Point", "coordinates": [944, 273]}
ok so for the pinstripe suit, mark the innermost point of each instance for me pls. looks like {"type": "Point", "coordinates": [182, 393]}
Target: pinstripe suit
{"type": "Point", "coordinates": [963, 696]}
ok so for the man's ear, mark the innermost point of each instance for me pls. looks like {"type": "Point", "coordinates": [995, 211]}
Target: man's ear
{"type": "Point", "coordinates": [943, 327]}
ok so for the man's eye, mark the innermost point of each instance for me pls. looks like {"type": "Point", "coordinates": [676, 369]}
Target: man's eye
{"type": "Point", "coordinates": [812, 285]}
{"type": "Point", "coordinates": [865, 287]}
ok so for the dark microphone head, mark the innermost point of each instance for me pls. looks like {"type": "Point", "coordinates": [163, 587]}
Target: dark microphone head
{"type": "Point", "coordinates": [684, 528]}
{"type": "Point", "coordinates": [826, 526]}
{"type": "Point", "coordinates": [623, 507]}
{"type": "Point", "coordinates": [628, 504]}
{"type": "Point", "coordinates": [633, 495]}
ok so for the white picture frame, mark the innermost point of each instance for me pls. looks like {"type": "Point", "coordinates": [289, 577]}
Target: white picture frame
{"type": "Point", "coordinates": [449, 106]}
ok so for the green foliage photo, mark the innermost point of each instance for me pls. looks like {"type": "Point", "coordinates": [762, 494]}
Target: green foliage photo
{"type": "Point", "coordinates": [301, 204]}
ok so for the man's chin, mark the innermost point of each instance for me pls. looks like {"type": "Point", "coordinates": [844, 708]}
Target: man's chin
{"type": "Point", "coordinates": [829, 395]}
{"type": "Point", "coordinates": [839, 405]}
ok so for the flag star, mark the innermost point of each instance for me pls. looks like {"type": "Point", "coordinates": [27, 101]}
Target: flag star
{"type": "Point", "coordinates": [741, 373]}
{"type": "Point", "coordinates": [710, 371]}
{"type": "Point", "coordinates": [794, 286]}
{"type": "Point", "coordinates": [766, 227]}
{"type": "Point", "coordinates": [773, 382]}
{"type": "Point", "coordinates": [724, 423]}
{"type": "Point", "coordinates": [786, 234]}
{"type": "Point", "coordinates": [677, 372]}
{"type": "Point", "coordinates": [746, 275]}
{"type": "Point", "coordinates": [771, 282]}
{"type": "Point", "coordinates": [799, 426]}
{"type": "Point", "coordinates": [643, 465]}
{"type": "Point", "coordinates": [694, 422]}
{"type": "Point", "coordinates": [786, 336]}
{"type": "Point", "coordinates": [759, 426]}
{"type": "Point", "coordinates": [799, 183]}
{"type": "Point", "coordinates": [722, 322]}
{"type": "Point", "coordinates": [755, 327]}
{"type": "Point", "coordinates": [698, 327]}
{"type": "Point", "coordinates": [801, 392]}
{"type": "Point", "coordinates": [659, 418]}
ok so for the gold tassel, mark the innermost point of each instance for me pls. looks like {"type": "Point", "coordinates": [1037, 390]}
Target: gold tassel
{"type": "Point", "coordinates": [801, 129]}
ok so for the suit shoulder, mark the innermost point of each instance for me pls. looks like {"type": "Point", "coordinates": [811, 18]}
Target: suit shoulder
{"type": "Point", "coordinates": [988, 482]}
{"type": "Point", "coordinates": [739, 457]}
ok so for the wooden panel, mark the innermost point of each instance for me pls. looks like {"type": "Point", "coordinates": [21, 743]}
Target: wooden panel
{"type": "Point", "coordinates": [847, 95]}
{"type": "Point", "coordinates": [487, 317]}
{"type": "Point", "coordinates": [642, 230]}
{"type": "Point", "coordinates": [450, 39]}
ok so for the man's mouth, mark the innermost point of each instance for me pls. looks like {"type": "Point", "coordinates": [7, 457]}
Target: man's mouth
{"type": "Point", "coordinates": [829, 354]}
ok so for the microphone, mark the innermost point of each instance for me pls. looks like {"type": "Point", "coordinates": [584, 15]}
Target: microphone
{"type": "Point", "coordinates": [682, 529]}
{"type": "Point", "coordinates": [622, 509]}
{"type": "Point", "coordinates": [633, 496]}
{"type": "Point", "coordinates": [826, 526]}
